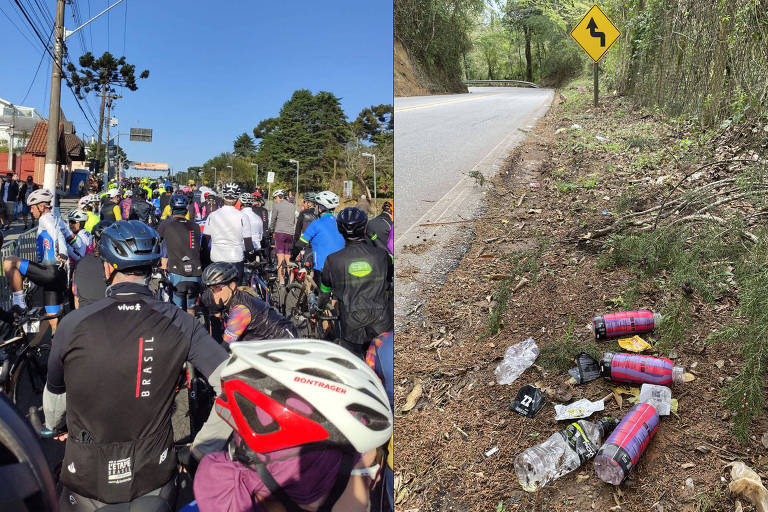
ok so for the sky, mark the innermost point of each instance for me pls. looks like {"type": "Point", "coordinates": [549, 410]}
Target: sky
{"type": "Point", "coordinates": [216, 68]}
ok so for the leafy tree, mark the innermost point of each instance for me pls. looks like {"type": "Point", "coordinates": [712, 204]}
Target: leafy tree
{"type": "Point", "coordinates": [523, 16]}
{"type": "Point", "coordinates": [374, 124]}
{"type": "Point", "coordinates": [102, 76]}
{"type": "Point", "coordinates": [244, 146]}
{"type": "Point", "coordinates": [311, 128]}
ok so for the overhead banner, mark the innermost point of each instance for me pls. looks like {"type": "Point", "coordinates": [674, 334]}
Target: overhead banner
{"type": "Point", "coordinates": [150, 166]}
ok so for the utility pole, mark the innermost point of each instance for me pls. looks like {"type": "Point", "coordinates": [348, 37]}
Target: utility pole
{"type": "Point", "coordinates": [10, 138]}
{"type": "Point", "coordinates": [52, 141]}
{"type": "Point", "coordinates": [106, 160]}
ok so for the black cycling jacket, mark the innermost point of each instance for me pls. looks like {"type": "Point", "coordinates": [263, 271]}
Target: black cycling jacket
{"type": "Point", "coordinates": [265, 324]}
{"type": "Point", "coordinates": [360, 276]}
{"type": "Point", "coordinates": [378, 230]}
{"type": "Point", "coordinates": [142, 210]}
{"type": "Point", "coordinates": [304, 219]}
{"type": "Point", "coordinates": [119, 360]}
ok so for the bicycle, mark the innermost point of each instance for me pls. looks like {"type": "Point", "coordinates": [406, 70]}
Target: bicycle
{"type": "Point", "coordinates": [299, 294]}
{"type": "Point", "coordinates": [24, 359]}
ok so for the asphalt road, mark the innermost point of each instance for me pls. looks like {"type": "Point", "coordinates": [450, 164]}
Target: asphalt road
{"type": "Point", "coordinates": [437, 138]}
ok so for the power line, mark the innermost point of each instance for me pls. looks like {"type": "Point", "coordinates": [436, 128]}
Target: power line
{"type": "Point", "coordinates": [17, 27]}
{"type": "Point", "coordinates": [42, 57]}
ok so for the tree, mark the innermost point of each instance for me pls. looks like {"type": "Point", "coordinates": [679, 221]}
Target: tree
{"type": "Point", "coordinates": [312, 129]}
{"type": "Point", "coordinates": [522, 16]}
{"type": "Point", "coordinates": [101, 76]}
{"type": "Point", "coordinates": [374, 123]}
{"type": "Point", "coordinates": [244, 146]}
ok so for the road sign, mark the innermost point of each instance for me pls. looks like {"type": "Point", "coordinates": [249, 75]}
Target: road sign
{"type": "Point", "coordinates": [141, 134]}
{"type": "Point", "coordinates": [270, 177]}
{"type": "Point", "coordinates": [595, 33]}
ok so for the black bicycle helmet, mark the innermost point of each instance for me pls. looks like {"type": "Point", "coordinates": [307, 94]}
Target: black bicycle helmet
{"type": "Point", "coordinates": [351, 222]}
{"type": "Point", "coordinates": [128, 244]}
{"type": "Point", "coordinates": [220, 272]}
{"type": "Point", "coordinates": [179, 203]}
{"type": "Point", "coordinates": [28, 483]}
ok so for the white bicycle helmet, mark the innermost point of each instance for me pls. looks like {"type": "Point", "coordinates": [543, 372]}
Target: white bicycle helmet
{"type": "Point", "coordinates": [246, 199]}
{"type": "Point", "coordinates": [284, 393]}
{"type": "Point", "coordinates": [84, 201]}
{"type": "Point", "coordinates": [77, 215]}
{"type": "Point", "coordinates": [278, 193]}
{"type": "Point", "coordinates": [41, 195]}
{"type": "Point", "coordinates": [326, 199]}
{"type": "Point", "coordinates": [113, 192]}
{"type": "Point", "coordinates": [128, 193]}
{"type": "Point", "coordinates": [230, 191]}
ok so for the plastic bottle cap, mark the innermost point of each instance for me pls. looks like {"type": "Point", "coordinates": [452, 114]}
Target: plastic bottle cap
{"type": "Point", "coordinates": [657, 320]}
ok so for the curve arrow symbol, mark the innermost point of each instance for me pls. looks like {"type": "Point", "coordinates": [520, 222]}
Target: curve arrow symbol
{"type": "Point", "coordinates": [592, 26]}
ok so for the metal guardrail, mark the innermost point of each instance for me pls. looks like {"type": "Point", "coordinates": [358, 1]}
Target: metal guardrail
{"type": "Point", "coordinates": [25, 246]}
{"type": "Point", "coordinates": [499, 82]}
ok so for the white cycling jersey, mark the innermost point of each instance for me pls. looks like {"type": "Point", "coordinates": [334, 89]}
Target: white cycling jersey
{"type": "Point", "coordinates": [257, 227]}
{"type": "Point", "coordinates": [54, 237]}
{"type": "Point", "coordinates": [227, 228]}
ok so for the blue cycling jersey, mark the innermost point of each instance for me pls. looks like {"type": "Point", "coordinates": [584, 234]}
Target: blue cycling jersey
{"type": "Point", "coordinates": [55, 237]}
{"type": "Point", "coordinates": [325, 238]}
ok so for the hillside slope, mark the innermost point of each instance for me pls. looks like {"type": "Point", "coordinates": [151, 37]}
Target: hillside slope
{"type": "Point", "coordinates": [413, 79]}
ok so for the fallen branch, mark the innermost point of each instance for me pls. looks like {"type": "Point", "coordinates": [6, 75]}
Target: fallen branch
{"type": "Point", "coordinates": [709, 218]}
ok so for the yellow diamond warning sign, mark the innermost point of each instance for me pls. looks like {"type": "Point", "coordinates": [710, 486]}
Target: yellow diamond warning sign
{"type": "Point", "coordinates": [595, 33]}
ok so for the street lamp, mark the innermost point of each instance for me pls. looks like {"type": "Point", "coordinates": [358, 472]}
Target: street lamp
{"type": "Point", "coordinates": [296, 199]}
{"type": "Point", "coordinates": [215, 180]}
{"type": "Point", "coordinates": [230, 173]}
{"type": "Point", "coordinates": [371, 155]}
{"type": "Point", "coordinates": [257, 174]}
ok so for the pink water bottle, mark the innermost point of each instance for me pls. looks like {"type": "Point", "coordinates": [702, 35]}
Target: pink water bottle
{"type": "Point", "coordinates": [625, 323]}
{"type": "Point", "coordinates": [626, 444]}
{"type": "Point", "coordinates": [641, 369]}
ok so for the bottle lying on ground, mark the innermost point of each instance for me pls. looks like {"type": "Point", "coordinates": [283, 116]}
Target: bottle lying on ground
{"type": "Point", "coordinates": [623, 448]}
{"type": "Point", "coordinates": [562, 453]}
{"type": "Point", "coordinates": [625, 323]}
{"type": "Point", "coordinates": [641, 369]}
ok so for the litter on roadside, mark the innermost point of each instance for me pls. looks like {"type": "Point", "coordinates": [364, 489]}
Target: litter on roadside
{"type": "Point", "coordinates": [745, 482]}
{"type": "Point", "coordinates": [517, 359]}
{"type": "Point", "coordinates": [659, 397]}
{"type": "Point", "coordinates": [587, 369]}
{"type": "Point", "coordinates": [492, 451]}
{"type": "Point", "coordinates": [583, 408]}
{"type": "Point", "coordinates": [528, 401]}
{"type": "Point", "coordinates": [634, 344]}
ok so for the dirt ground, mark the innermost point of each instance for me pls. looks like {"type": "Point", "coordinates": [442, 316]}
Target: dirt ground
{"type": "Point", "coordinates": [535, 216]}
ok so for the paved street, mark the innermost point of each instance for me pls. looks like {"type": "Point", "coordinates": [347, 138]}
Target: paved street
{"type": "Point", "coordinates": [439, 137]}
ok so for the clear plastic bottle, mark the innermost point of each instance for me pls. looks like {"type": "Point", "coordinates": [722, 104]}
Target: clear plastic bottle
{"type": "Point", "coordinates": [563, 452]}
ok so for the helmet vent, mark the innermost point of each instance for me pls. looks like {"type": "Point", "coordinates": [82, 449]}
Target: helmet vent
{"type": "Point", "coordinates": [317, 372]}
{"type": "Point", "coordinates": [368, 417]}
{"type": "Point", "coordinates": [342, 362]}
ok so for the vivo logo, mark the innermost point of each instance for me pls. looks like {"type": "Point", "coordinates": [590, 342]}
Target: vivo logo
{"type": "Point", "coordinates": [128, 307]}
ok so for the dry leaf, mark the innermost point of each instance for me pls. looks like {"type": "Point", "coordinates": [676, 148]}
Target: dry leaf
{"type": "Point", "coordinates": [413, 397]}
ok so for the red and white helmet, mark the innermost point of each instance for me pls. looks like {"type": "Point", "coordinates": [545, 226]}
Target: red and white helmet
{"type": "Point", "coordinates": [285, 393]}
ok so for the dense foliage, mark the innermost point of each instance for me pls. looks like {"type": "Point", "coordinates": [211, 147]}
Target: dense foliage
{"type": "Point", "coordinates": [313, 130]}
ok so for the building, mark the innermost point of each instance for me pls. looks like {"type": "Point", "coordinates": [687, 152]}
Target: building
{"type": "Point", "coordinates": [71, 153]}
{"type": "Point", "coordinates": [16, 126]}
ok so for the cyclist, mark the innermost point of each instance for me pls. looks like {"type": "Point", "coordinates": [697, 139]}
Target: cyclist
{"type": "Point", "coordinates": [308, 417]}
{"type": "Point", "coordinates": [121, 450]}
{"type": "Point", "coordinates": [166, 197]}
{"type": "Point", "coordinates": [263, 213]}
{"type": "Point", "coordinates": [88, 283]}
{"type": "Point", "coordinates": [281, 225]}
{"type": "Point", "coordinates": [111, 210]}
{"type": "Point", "coordinates": [381, 358]}
{"type": "Point", "coordinates": [246, 317]}
{"type": "Point", "coordinates": [55, 244]}
{"type": "Point", "coordinates": [141, 209]}
{"type": "Point", "coordinates": [229, 232]}
{"type": "Point", "coordinates": [360, 276]}
{"type": "Point", "coordinates": [181, 253]}
{"type": "Point", "coordinates": [321, 233]}
{"type": "Point", "coordinates": [257, 227]}
{"type": "Point", "coordinates": [379, 227]}
{"type": "Point", "coordinates": [87, 204]}
{"type": "Point", "coordinates": [77, 219]}
{"type": "Point", "coordinates": [125, 204]}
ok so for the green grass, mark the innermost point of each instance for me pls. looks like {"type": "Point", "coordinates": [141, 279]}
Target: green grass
{"type": "Point", "coordinates": [521, 264]}
{"type": "Point", "coordinates": [559, 355]}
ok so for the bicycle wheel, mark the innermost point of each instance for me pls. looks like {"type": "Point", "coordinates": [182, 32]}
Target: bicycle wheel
{"type": "Point", "coordinates": [277, 296]}
{"type": "Point", "coordinates": [295, 306]}
{"type": "Point", "coordinates": [28, 381]}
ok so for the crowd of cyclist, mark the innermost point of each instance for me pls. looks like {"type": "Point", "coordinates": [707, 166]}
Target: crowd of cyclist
{"type": "Point", "coordinates": [299, 424]}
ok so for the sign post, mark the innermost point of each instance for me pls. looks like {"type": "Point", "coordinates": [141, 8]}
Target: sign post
{"type": "Point", "coordinates": [595, 33]}
{"type": "Point", "coordinates": [270, 181]}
